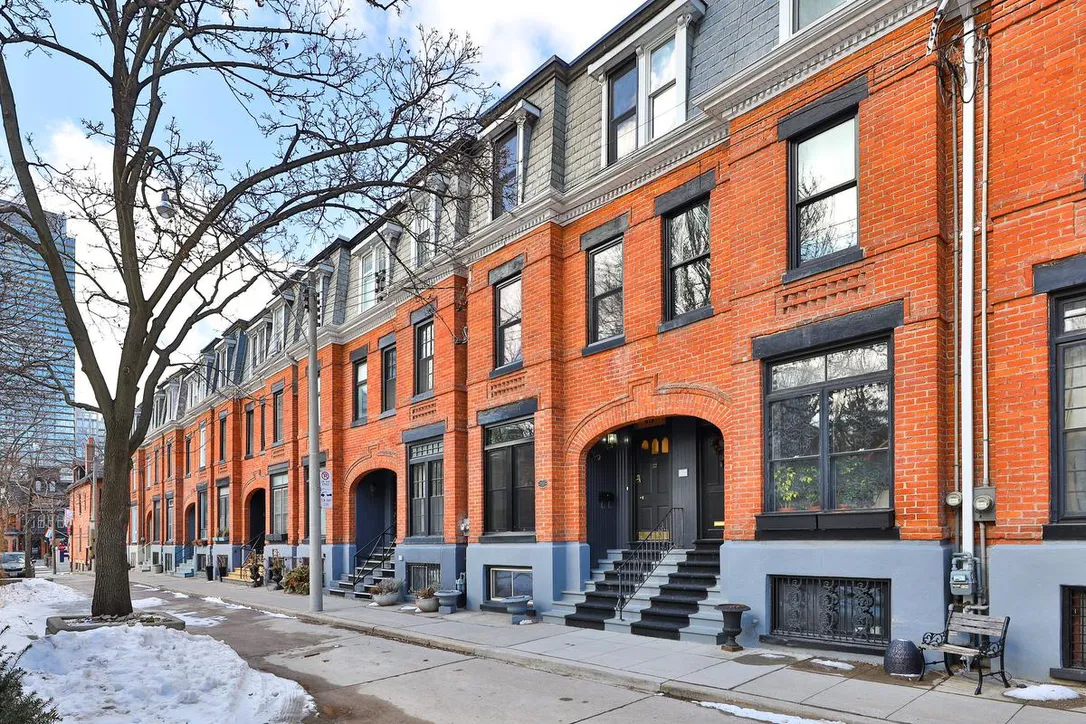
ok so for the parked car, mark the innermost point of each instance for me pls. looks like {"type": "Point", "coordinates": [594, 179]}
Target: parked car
{"type": "Point", "coordinates": [13, 563]}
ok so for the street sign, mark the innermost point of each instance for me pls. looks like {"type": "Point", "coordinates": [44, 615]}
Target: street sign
{"type": "Point", "coordinates": [326, 488]}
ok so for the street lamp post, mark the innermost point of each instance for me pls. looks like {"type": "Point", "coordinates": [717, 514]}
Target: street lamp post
{"type": "Point", "coordinates": [316, 572]}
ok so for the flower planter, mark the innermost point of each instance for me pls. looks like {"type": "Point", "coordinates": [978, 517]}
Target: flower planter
{"type": "Point", "coordinates": [427, 605]}
{"type": "Point", "coordinates": [447, 600]}
{"type": "Point", "coordinates": [386, 599]}
{"type": "Point", "coordinates": [903, 658]}
{"type": "Point", "coordinates": [156, 568]}
{"type": "Point", "coordinates": [733, 625]}
{"type": "Point", "coordinates": [223, 539]}
{"type": "Point", "coordinates": [56, 624]}
{"type": "Point", "coordinates": [517, 607]}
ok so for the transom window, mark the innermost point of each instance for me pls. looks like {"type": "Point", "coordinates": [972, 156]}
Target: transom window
{"type": "Point", "coordinates": [824, 193]}
{"type": "Point", "coordinates": [1069, 350]}
{"type": "Point", "coordinates": [829, 422]}
{"type": "Point", "coordinates": [506, 160]}
{"type": "Point", "coordinates": [664, 111]}
{"type": "Point", "coordinates": [622, 124]}
{"type": "Point", "coordinates": [605, 319]}
{"type": "Point", "coordinates": [686, 239]}
{"type": "Point", "coordinates": [510, 477]}
{"type": "Point", "coordinates": [424, 358]}
{"type": "Point", "coordinates": [388, 379]}
{"type": "Point", "coordinates": [427, 471]}
{"type": "Point", "coordinates": [507, 322]}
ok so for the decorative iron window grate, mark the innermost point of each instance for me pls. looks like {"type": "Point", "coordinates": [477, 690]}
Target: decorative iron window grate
{"type": "Point", "coordinates": [1074, 627]}
{"type": "Point", "coordinates": [852, 612]}
{"type": "Point", "coordinates": [422, 575]}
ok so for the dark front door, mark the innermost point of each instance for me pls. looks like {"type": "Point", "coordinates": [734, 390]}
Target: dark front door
{"type": "Point", "coordinates": [652, 479]}
{"type": "Point", "coordinates": [257, 506]}
{"type": "Point", "coordinates": [190, 524]}
{"type": "Point", "coordinates": [710, 483]}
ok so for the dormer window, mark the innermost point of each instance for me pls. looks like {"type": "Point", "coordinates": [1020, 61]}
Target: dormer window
{"type": "Point", "coordinates": [799, 14]}
{"type": "Point", "coordinates": [509, 139]}
{"type": "Point", "coordinates": [644, 81]}
{"type": "Point", "coordinates": [373, 264]}
{"type": "Point", "coordinates": [506, 163]}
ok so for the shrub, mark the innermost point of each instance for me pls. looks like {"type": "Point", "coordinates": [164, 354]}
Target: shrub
{"type": "Point", "coordinates": [16, 705]}
{"type": "Point", "coordinates": [389, 585]}
{"type": "Point", "coordinates": [297, 580]}
{"type": "Point", "coordinates": [427, 592]}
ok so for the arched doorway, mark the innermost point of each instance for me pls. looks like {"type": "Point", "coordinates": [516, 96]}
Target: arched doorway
{"type": "Point", "coordinates": [190, 523]}
{"type": "Point", "coordinates": [660, 472]}
{"type": "Point", "coordinates": [256, 511]}
{"type": "Point", "coordinates": [375, 505]}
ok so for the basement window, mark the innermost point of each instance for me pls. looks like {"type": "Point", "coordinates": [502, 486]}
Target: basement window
{"type": "Point", "coordinates": [506, 582]}
{"type": "Point", "coordinates": [848, 614]}
{"type": "Point", "coordinates": [1073, 621]}
{"type": "Point", "coordinates": [423, 575]}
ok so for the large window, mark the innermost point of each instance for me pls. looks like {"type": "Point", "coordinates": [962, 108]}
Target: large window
{"type": "Point", "coordinates": [188, 455]}
{"type": "Point", "coordinates": [156, 530]}
{"type": "Point", "coordinates": [829, 422]}
{"type": "Point", "coordinates": [223, 510]}
{"type": "Point", "coordinates": [361, 388]}
{"type": "Point", "coordinates": [222, 439]}
{"type": "Point", "coordinates": [805, 12]}
{"type": "Point", "coordinates": [427, 471]}
{"type": "Point", "coordinates": [1069, 338]}
{"type": "Point", "coordinates": [201, 514]}
{"type": "Point", "coordinates": [388, 379]}
{"type": "Point", "coordinates": [686, 239]}
{"type": "Point", "coordinates": [605, 318]}
{"type": "Point", "coordinates": [374, 272]}
{"type": "Point", "coordinates": [824, 193]}
{"type": "Point", "coordinates": [278, 504]}
{"type": "Point", "coordinates": [506, 160]}
{"type": "Point", "coordinates": [507, 323]}
{"type": "Point", "coordinates": [203, 445]}
{"type": "Point", "coordinates": [169, 520]}
{"type": "Point", "coordinates": [169, 459]}
{"type": "Point", "coordinates": [510, 477]}
{"type": "Point", "coordinates": [249, 432]}
{"type": "Point", "coordinates": [424, 357]}
{"type": "Point", "coordinates": [506, 582]}
{"type": "Point", "coordinates": [622, 101]}
{"type": "Point", "coordinates": [277, 417]}
{"type": "Point", "coordinates": [664, 100]}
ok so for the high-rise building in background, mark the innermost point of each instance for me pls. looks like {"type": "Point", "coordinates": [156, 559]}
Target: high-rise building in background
{"type": "Point", "coordinates": [89, 425]}
{"type": "Point", "coordinates": [37, 357]}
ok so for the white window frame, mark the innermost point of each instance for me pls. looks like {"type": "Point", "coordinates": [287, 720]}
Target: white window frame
{"type": "Point", "coordinates": [523, 115]}
{"type": "Point", "coordinates": [203, 446]}
{"type": "Point", "coordinates": [376, 248]}
{"type": "Point", "coordinates": [674, 21]}
{"type": "Point", "coordinates": [787, 18]}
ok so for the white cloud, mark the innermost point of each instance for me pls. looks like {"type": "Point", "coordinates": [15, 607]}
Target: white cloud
{"type": "Point", "coordinates": [516, 37]}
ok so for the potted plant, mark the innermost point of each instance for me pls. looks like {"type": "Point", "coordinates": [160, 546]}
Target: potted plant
{"type": "Point", "coordinates": [223, 536]}
{"type": "Point", "coordinates": [297, 580]}
{"type": "Point", "coordinates": [387, 591]}
{"type": "Point", "coordinates": [426, 600]}
{"type": "Point", "coordinates": [275, 571]}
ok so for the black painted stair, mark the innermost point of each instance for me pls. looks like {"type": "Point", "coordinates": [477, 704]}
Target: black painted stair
{"type": "Point", "coordinates": [600, 604]}
{"type": "Point", "coordinates": [669, 611]}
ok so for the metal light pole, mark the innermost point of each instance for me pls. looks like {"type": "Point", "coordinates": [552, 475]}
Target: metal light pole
{"type": "Point", "coordinates": [94, 505]}
{"type": "Point", "coordinates": [316, 572]}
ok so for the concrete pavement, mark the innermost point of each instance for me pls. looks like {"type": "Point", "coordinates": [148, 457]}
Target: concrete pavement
{"type": "Point", "coordinates": [621, 672]}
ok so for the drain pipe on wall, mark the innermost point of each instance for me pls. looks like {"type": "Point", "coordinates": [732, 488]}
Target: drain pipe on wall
{"type": "Point", "coordinates": [965, 350]}
{"type": "Point", "coordinates": [986, 61]}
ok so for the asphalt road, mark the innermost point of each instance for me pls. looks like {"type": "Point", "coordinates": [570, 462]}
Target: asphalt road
{"type": "Point", "coordinates": [359, 678]}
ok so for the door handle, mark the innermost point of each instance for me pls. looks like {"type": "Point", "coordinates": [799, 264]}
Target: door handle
{"type": "Point", "coordinates": [641, 497]}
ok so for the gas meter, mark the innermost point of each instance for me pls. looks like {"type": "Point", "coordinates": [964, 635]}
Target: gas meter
{"type": "Point", "coordinates": [963, 574]}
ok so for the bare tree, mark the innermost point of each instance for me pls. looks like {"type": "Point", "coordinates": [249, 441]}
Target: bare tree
{"type": "Point", "coordinates": [350, 129]}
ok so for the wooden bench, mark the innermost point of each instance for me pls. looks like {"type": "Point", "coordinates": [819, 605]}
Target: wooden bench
{"type": "Point", "coordinates": [993, 628]}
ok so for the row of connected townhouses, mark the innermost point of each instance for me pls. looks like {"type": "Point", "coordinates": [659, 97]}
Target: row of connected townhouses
{"type": "Point", "coordinates": [713, 305]}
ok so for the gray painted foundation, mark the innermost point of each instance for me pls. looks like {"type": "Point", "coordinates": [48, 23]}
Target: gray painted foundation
{"type": "Point", "coordinates": [450, 556]}
{"type": "Point", "coordinates": [917, 570]}
{"type": "Point", "coordinates": [1024, 583]}
{"type": "Point", "coordinates": [556, 567]}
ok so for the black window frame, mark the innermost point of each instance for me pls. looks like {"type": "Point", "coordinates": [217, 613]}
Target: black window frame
{"type": "Point", "coordinates": [222, 512]}
{"type": "Point", "coordinates": [424, 364]}
{"type": "Point", "coordinates": [188, 455]}
{"type": "Point", "coordinates": [613, 122]}
{"type": "Point", "coordinates": [274, 488]}
{"type": "Point", "coordinates": [501, 328]}
{"type": "Point", "coordinates": [389, 364]}
{"type": "Point", "coordinates": [277, 417]}
{"type": "Point", "coordinates": [823, 389]}
{"type": "Point", "coordinates": [1058, 342]}
{"type": "Point", "coordinates": [826, 261]}
{"type": "Point", "coordinates": [169, 459]}
{"type": "Point", "coordinates": [222, 439]}
{"type": "Point", "coordinates": [670, 268]}
{"type": "Point", "coordinates": [202, 514]}
{"type": "Point", "coordinates": [360, 390]}
{"type": "Point", "coordinates": [505, 174]}
{"type": "Point", "coordinates": [595, 299]}
{"type": "Point", "coordinates": [249, 431]}
{"type": "Point", "coordinates": [426, 518]}
{"type": "Point", "coordinates": [511, 525]}
{"type": "Point", "coordinates": [171, 519]}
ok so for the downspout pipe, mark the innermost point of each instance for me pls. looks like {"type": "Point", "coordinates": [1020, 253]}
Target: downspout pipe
{"type": "Point", "coordinates": [986, 440]}
{"type": "Point", "coordinates": [965, 349]}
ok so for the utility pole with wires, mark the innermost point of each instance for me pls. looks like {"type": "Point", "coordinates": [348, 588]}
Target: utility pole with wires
{"type": "Point", "coordinates": [316, 567]}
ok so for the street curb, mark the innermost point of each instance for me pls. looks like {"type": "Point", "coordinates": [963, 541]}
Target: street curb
{"type": "Point", "coordinates": [694, 692]}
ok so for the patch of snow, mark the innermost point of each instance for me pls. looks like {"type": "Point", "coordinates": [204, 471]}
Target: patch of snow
{"type": "Point", "coordinates": [1043, 692]}
{"type": "Point", "coordinates": [374, 605]}
{"type": "Point", "coordinates": [38, 591]}
{"type": "Point", "coordinates": [409, 608]}
{"type": "Point", "coordinates": [152, 602]}
{"type": "Point", "coordinates": [143, 587]}
{"type": "Point", "coordinates": [179, 595]}
{"type": "Point", "coordinates": [193, 619]}
{"type": "Point", "coordinates": [829, 664]}
{"type": "Point", "coordinates": [273, 614]}
{"type": "Point", "coordinates": [24, 606]}
{"type": "Point", "coordinates": [197, 679]}
{"type": "Point", "coordinates": [525, 622]}
{"type": "Point", "coordinates": [769, 655]}
{"type": "Point", "coordinates": [766, 716]}
{"type": "Point", "coordinates": [219, 602]}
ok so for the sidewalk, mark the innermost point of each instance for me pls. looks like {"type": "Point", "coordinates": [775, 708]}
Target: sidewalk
{"type": "Point", "coordinates": [813, 685]}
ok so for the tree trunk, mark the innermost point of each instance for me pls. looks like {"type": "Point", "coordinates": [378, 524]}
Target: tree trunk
{"type": "Point", "coordinates": [28, 560]}
{"type": "Point", "coordinates": [112, 596]}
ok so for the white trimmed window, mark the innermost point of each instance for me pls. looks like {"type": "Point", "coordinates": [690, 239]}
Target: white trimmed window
{"type": "Point", "coordinates": [509, 138]}
{"type": "Point", "coordinates": [643, 81]}
{"type": "Point", "coordinates": [798, 14]}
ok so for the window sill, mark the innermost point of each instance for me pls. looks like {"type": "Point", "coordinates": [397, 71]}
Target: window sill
{"type": "Point", "coordinates": [827, 525]}
{"type": "Point", "coordinates": [359, 422]}
{"type": "Point", "coordinates": [387, 414]}
{"type": "Point", "coordinates": [826, 263]}
{"type": "Point", "coordinates": [276, 443]}
{"type": "Point", "coordinates": [603, 345]}
{"type": "Point", "coordinates": [421, 397]}
{"type": "Point", "coordinates": [1075, 530]}
{"type": "Point", "coordinates": [275, 537]}
{"type": "Point", "coordinates": [1068, 674]}
{"type": "Point", "coordinates": [249, 456]}
{"type": "Point", "coordinates": [506, 369]}
{"type": "Point", "coordinates": [423, 540]}
{"type": "Point", "coordinates": [684, 319]}
{"type": "Point", "coordinates": [507, 538]}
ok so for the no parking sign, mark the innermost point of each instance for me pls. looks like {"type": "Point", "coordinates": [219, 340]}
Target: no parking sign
{"type": "Point", "coordinates": [326, 488]}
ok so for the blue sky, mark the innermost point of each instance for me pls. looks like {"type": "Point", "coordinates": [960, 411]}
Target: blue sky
{"type": "Point", "coordinates": [55, 94]}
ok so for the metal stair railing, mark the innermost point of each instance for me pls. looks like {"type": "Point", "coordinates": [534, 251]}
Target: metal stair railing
{"type": "Point", "coordinates": [250, 553]}
{"type": "Point", "coordinates": [364, 553]}
{"type": "Point", "coordinates": [647, 555]}
{"type": "Point", "coordinates": [184, 556]}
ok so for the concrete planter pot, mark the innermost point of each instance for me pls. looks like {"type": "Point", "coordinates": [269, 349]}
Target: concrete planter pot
{"type": "Point", "coordinates": [156, 568]}
{"type": "Point", "coordinates": [56, 624]}
{"type": "Point", "coordinates": [386, 599]}
{"type": "Point", "coordinates": [447, 600]}
{"type": "Point", "coordinates": [427, 605]}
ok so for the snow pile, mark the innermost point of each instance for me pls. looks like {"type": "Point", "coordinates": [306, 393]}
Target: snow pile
{"type": "Point", "coordinates": [829, 664]}
{"type": "Point", "coordinates": [140, 603]}
{"type": "Point", "coordinates": [24, 606]}
{"type": "Point", "coordinates": [1042, 692]}
{"type": "Point", "coordinates": [38, 591]}
{"type": "Point", "coordinates": [273, 614]}
{"type": "Point", "coordinates": [197, 679]}
{"type": "Point", "coordinates": [766, 716]}
{"type": "Point", "coordinates": [219, 602]}
{"type": "Point", "coordinates": [179, 595]}
{"type": "Point", "coordinates": [193, 619]}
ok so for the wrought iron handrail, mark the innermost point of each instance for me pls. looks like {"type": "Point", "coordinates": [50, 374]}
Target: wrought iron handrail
{"type": "Point", "coordinates": [364, 553]}
{"type": "Point", "coordinates": [646, 556]}
{"type": "Point", "coordinates": [250, 548]}
{"type": "Point", "coordinates": [187, 551]}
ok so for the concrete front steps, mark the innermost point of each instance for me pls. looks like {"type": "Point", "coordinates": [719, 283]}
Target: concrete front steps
{"type": "Point", "coordinates": [185, 570]}
{"type": "Point", "coordinates": [382, 564]}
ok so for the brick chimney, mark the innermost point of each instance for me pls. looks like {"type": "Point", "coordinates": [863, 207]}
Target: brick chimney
{"type": "Point", "coordinates": [89, 461]}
